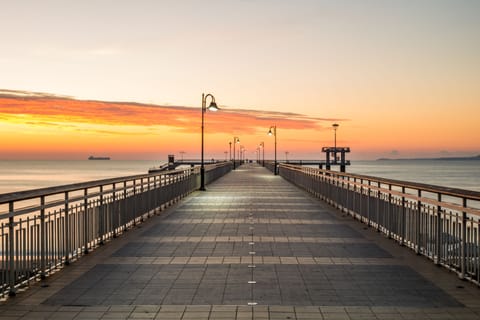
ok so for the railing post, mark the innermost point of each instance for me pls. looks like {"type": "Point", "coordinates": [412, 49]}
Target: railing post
{"type": "Point", "coordinates": [142, 196]}
{"type": "Point", "coordinates": [155, 193]}
{"type": "Point", "coordinates": [403, 218]}
{"type": "Point", "coordinates": [389, 212]}
{"type": "Point", "coordinates": [353, 196]}
{"type": "Point", "coordinates": [417, 222]}
{"type": "Point", "coordinates": [360, 211]}
{"type": "Point", "coordinates": [337, 188]}
{"type": "Point", "coordinates": [346, 197]}
{"type": "Point", "coordinates": [43, 243]}
{"type": "Point", "coordinates": [67, 231]}
{"type": "Point", "coordinates": [134, 202]}
{"type": "Point", "coordinates": [463, 249]}
{"type": "Point", "coordinates": [85, 220]}
{"type": "Point", "coordinates": [101, 224]}
{"type": "Point", "coordinates": [124, 208]}
{"type": "Point", "coordinates": [114, 216]}
{"type": "Point", "coordinates": [368, 203]}
{"type": "Point", "coordinates": [379, 196]}
{"type": "Point", "coordinates": [11, 248]}
{"type": "Point", "coordinates": [438, 238]}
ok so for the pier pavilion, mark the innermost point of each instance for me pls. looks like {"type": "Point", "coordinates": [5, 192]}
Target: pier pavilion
{"type": "Point", "coordinates": [253, 246]}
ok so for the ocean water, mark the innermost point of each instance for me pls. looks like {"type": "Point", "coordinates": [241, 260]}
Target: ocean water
{"type": "Point", "coordinates": [26, 175]}
{"type": "Point", "coordinates": [462, 174]}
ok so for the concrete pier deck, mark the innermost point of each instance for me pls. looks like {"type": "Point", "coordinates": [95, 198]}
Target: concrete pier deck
{"type": "Point", "coordinates": [252, 247]}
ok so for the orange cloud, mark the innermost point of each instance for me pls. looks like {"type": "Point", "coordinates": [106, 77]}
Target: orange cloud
{"type": "Point", "coordinates": [40, 124]}
{"type": "Point", "coordinates": [52, 110]}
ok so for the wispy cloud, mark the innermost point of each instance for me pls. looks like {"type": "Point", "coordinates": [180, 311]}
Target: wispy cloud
{"type": "Point", "coordinates": [54, 109]}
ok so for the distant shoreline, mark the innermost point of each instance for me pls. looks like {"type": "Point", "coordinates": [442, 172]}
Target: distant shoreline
{"type": "Point", "coordinates": [429, 159]}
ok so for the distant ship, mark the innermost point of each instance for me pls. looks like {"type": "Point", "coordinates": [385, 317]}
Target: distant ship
{"type": "Point", "coordinates": [98, 158]}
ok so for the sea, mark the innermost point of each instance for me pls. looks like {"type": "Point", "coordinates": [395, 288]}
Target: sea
{"type": "Point", "coordinates": [26, 175]}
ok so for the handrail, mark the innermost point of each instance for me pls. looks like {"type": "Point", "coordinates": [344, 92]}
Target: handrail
{"type": "Point", "coordinates": [454, 192]}
{"type": "Point", "coordinates": [35, 193]}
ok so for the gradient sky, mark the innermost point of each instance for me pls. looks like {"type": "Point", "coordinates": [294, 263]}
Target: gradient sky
{"type": "Point", "coordinates": [125, 78]}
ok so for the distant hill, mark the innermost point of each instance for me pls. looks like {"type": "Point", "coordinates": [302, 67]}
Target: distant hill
{"type": "Point", "coordinates": [443, 158]}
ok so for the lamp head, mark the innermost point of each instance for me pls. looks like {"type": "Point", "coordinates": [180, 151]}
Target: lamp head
{"type": "Point", "coordinates": [270, 132]}
{"type": "Point", "coordinates": [213, 106]}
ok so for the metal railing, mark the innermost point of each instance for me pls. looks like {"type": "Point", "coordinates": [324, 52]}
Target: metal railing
{"type": "Point", "coordinates": [437, 222]}
{"type": "Point", "coordinates": [44, 229]}
{"type": "Point", "coordinates": [270, 165]}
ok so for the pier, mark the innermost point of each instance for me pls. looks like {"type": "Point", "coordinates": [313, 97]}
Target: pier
{"type": "Point", "coordinates": [304, 244]}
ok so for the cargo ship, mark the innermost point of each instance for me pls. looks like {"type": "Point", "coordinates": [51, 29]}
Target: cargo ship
{"type": "Point", "coordinates": [98, 158]}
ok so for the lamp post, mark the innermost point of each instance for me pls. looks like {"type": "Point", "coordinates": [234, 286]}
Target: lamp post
{"type": "Point", "coordinates": [230, 143]}
{"type": "Point", "coordinates": [335, 127]}
{"type": "Point", "coordinates": [211, 107]}
{"type": "Point", "coordinates": [235, 141]}
{"type": "Point", "coordinates": [274, 132]}
{"type": "Point", "coordinates": [262, 144]}
{"type": "Point", "coordinates": [286, 156]}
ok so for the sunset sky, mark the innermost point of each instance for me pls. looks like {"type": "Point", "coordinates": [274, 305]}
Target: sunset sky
{"type": "Point", "coordinates": [125, 78]}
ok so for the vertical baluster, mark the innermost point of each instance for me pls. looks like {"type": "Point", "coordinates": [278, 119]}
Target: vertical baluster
{"type": "Point", "coordinates": [85, 220]}
{"type": "Point", "coordinates": [417, 223]}
{"type": "Point", "coordinates": [142, 197]}
{"type": "Point", "coordinates": [23, 249]}
{"type": "Point", "coordinates": [66, 230]}
{"type": "Point", "coordinates": [402, 218]}
{"type": "Point", "coordinates": [11, 249]}
{"type": "Point", "coordinates": [135, 202]}
{"type": "Point", "coordinates": [149, 197]}
{"type": "Point", "coordinates": [101, 225]}
{"type": "Point", "coordinates": [368, 203]}
{"type": "Point", "coordinates": [438, 238]}
{"type": "Point", "coordinates": [360, 204]}
{"type": "Point", "coordinates": [379, 196]}
{"type": "Point", "coordinates": [124, 209]}
{"type": "Point", "coordinates": [389, 212]}
{"type": "Point", "coordinates": [354, 191]}
{"type": "Point", "coordinates": [463, 239]}
{"type": "Point", "coordinates": [42, 238]}
{"type": "Point", "coordinates": [113, 213]}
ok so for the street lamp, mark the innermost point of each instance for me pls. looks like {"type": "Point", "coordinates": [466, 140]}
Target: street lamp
{"type": "Point", "coordinates": [274, 132]}
{"type": "Point", "coordinates": [241, 154]}
{"type": "Point", "coordinates": [262, 144]}
{"type": "Point", "coordinates": [211, 107]}
{"type": "Point", "coordinates": [235, 141]}
{"type": "Point", "coordinates": [286, 156]}
{"type": "Point", "coordinates": [230, 143]}
{"type": "Point", "coordinates": [335, 127]}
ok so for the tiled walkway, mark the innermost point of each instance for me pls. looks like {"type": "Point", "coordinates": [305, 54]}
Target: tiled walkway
{"type": "Point", "coordinates": [252, 246]}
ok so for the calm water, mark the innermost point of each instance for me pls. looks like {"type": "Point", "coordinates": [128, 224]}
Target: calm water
{"type": "Point", "coordinates": [23, 175]}
{"type": "Point", "coordinates": [448, 173]}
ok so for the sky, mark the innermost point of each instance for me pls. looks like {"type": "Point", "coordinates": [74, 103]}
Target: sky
{"type": "Point", "coordinates": [125, 78]}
